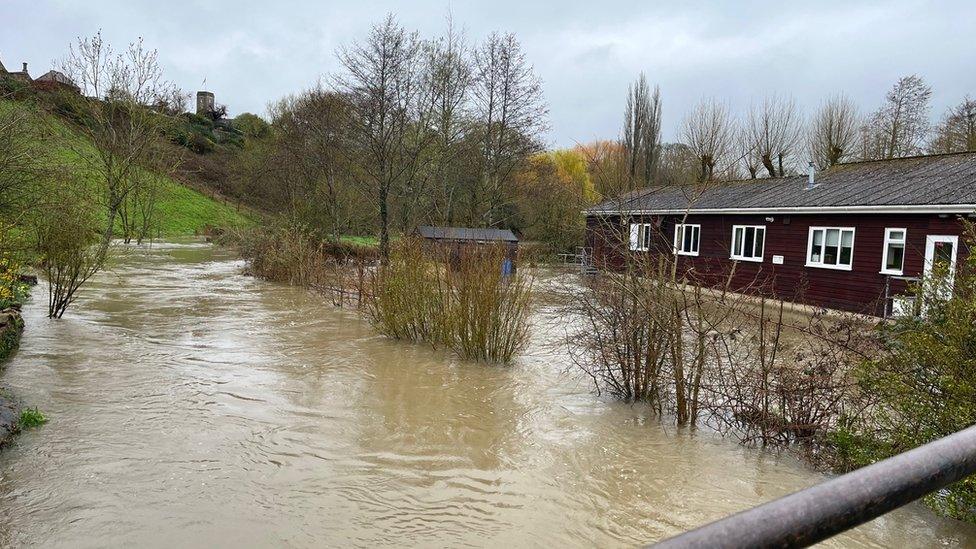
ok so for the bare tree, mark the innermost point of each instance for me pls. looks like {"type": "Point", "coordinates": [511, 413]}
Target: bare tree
{"type": "Point", "coordinates": [642, 132]}
{"type": "Point", "coordinates": [834, 131]}
{"type": "Point", "coordinates": [749, 153]}
{"type": "Point", "coordinates": [117, 115]}
{"type": "Point", "coordinates": [899, 127]}
{"type": "Point", "coordinates": [511, 115]}
{"type": "Point", "coordinates": [390, 111]}
{"type": "Point", "coordinates": [957, 131]}
{"type": "Point", "coordinates": [312, 159]}
{"type": "Point", "coordinates": [708, 132]}
{"type": "Point", "coordinates": [450, 76]}
{"type": "Point", "coordinates": [774, 129]}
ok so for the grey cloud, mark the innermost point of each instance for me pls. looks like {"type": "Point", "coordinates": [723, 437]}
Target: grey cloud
{"type": "Point", "coordinates": [586, 52]}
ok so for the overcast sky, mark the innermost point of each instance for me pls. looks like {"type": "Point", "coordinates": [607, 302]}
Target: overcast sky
{"type": "Point", "coordinates": [251, 52]}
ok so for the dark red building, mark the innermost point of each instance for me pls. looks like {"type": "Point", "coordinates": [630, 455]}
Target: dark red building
{"type": "Point", "coordinates": [846, 238]}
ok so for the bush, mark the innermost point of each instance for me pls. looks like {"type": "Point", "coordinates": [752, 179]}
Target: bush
{"type": "Point", "coordinates": [16, 89]}
{"type": "Point", "coordinates": [252, 125]}
{"type": "Point", "coordinates": [922, 386]}
{"type": "Point", "coordinates": [294, 254]}
{"type": "Point", "coordinates": [12, 290]}
{"type": "Point", "coordinates": [200, 144]}
{"type": "Point", "coordinates": [456, 299]}
{"type": "Point", "coordinates": [735, 363]}
{"type": "Point", "coordinates": [31, 418]}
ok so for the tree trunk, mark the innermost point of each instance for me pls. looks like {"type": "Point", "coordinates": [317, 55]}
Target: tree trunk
{"type": "Point", "coordinates": [384, 223]}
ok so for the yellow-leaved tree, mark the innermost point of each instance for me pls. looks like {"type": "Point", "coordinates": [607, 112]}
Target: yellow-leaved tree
{"type": "Point", "coordinates": [554, 188]}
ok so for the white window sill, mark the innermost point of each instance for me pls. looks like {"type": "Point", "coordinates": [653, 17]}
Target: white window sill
{"type": "Point", "coordinates": [693, 254]}
{"type": "Point", "coordinates": [831, 267]}
{"type": "Point", "coordinates": [752, 259]}
{"type": "Point", "coordinates": [893, 273]}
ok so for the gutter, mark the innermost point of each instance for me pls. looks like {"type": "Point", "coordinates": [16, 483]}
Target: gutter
{"type": "Point", "coordinates": [888, 209]}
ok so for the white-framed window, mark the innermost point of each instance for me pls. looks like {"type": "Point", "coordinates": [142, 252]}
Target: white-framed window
{"type": "Point", "coordinates": [748, 242]}
{"type": "Point", "coordinates": [893, 258]}
{"type": "Point", "coordinates": [687, 237]}
{"type": "Point", "coordinates": [831, 248]}
{"type": "Point", "coordinates": [640, 237]}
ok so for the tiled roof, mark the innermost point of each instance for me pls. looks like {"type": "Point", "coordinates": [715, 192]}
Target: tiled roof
{"type": "Point", "coordinates": [55, 76]}
{"type": "Point", "coordinates": [947, 180]}
{"type": "Point", "coordinates": [467, 234]}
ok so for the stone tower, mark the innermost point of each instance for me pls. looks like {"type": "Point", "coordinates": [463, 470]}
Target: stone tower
{"type": "Point", "coordinates": [205, 102]}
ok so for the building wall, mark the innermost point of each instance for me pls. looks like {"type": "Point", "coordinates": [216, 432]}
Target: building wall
{"type": "Point", "coordinates": [860, 289]}
{"type": "Point", "coordinates": [205, 102]}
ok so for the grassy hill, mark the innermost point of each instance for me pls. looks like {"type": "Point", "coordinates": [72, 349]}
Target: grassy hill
{"type": "Point", "coordinates": [180, 210]}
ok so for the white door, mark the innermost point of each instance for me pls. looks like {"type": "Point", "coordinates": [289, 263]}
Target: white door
{"type": "Point", "coordinates": [940, 259]}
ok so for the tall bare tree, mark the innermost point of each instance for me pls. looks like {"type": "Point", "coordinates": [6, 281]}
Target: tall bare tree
{"type": "Point", "coordinates": [450, 76]}
{"type": "Point", "coordinates": [511, 115]}
{"type": "Point", "coordinates": [899, 127]}
{"type": "Point", "coordinates": [390, 111]}
{"type": "Point", "coordinates": [957, 130]}
{"type": "Point", "coordinates": [709, 134]}
{"type": "Point", "coordinates": [642, 132]}
{"type": "Point", "coordinates": [833, 132]}
{"type": "Point", "coordinates": [774, 129]}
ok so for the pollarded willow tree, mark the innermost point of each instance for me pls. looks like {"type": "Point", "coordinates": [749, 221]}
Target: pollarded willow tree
{"type": "Point", "coordinates": [957, 130]}
{"type": "Point", "coordinates": [774, 130]}
{"type": "Point", "coordinates": [311, 161]}
{"type": "Point", "coordinates": [709, 134]}
{"type": "Point", "coordinates": [833, 132]}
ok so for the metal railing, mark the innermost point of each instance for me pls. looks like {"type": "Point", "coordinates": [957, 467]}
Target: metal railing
{"type": "Point", "coordinates": [829, 508]}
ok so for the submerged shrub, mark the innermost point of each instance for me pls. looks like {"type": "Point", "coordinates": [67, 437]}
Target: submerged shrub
{"type": "Point", "coordinates": [405, 297]}
{"type": "Point", "coordinates": [294, 254]}
{"type": "Point", "coordinates": [485, 315]}
{"type": "Point", "coordinates": [713, 357]}
{"type": "Point", "coordinates": [455, 298]}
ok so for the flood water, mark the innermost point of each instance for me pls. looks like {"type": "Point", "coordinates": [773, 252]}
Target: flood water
{"type": "Point", "coordinates": [193, 406]}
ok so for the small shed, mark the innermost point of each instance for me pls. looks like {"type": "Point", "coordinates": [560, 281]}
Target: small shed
{"type": "Point", "coordinates": [457, 238]}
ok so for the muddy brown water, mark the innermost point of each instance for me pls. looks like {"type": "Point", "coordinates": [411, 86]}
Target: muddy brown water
{"type": "Point", "coordinates": [193, 406]}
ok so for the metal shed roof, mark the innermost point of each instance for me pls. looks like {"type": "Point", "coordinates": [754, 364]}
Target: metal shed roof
{"type": "Point", "coordinates": [467, 234]}
{"type": "Point", "coordinates": [937, 183]}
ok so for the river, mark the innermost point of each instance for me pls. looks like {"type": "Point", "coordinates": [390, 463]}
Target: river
{"type": "Point", "coordinates": [191, 405]}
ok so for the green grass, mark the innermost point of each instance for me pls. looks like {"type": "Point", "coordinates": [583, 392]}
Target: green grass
{"type": "Point", "coordinates": [185, 211]}
{"type": "Point", "coordinates": [180, 210]}
{"type": "Point", "coordinates": [367, 241]}
{"type": "Point", "coordinates": [31, 418]}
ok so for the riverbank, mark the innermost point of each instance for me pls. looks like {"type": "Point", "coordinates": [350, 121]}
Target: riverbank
{"type": "Point", "coordinates": [11, 329]}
